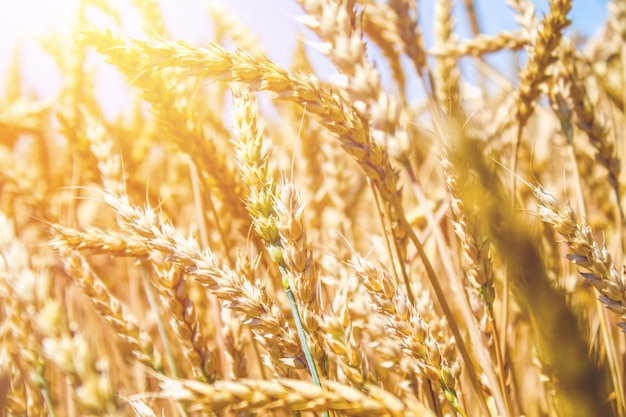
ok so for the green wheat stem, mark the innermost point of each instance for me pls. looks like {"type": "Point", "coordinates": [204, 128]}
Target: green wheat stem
{"type": "Point", "coordinates": [40, 380]}
{"type": "Point", "coordinates": [453, 399]}
{"type": "Point", "coordinates": [303, 339]}
{"type": "Point", "coordinates": [301, 333]}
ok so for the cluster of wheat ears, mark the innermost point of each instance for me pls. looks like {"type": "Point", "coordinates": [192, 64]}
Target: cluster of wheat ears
{"type": "Point", "coordinates": [253, 239]}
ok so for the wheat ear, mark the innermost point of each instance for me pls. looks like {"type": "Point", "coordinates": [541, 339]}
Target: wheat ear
{"type": "Point", "coordinates": [262, 395]}
{"type": "Point", "coordinates": [113, 311]}
{"type": "Point", "coordinates": [585, 252]}
{"type": "Point", "coordinates": [405, 324]}
{"type": "Point", "coordinates": [292, 257]}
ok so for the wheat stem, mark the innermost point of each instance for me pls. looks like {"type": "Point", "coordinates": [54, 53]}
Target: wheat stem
{"type": "Point", "coordinates": [303, 337]}
{"type": "Point", "coordinates": [42, 383]}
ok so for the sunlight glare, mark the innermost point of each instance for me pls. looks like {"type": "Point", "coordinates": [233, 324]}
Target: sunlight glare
{"type": "Point", "coordinates": [34, 18]}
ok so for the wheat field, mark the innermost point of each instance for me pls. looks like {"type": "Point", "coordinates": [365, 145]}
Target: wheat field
{"type": "Point", "coordinates": [253, 239]}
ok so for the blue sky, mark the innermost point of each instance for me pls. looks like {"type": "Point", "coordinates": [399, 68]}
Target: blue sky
{"type": "Point", "coordinates": [586, 15]}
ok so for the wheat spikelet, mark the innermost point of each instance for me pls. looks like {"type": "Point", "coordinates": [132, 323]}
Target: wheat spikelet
{"type": "Point", "coordinates": [97, 241]}
{"type": "Point", "coordinates": [114, 311]}
{"type": "Point", "coordinates": [406, 326]}
{"type": "Point", "coordinates": [171, 281]}
{"type": "Point", "coordinates": [586, 253]}
{"type": "Point", "coordinates": [261, 395]}
{"type": "Point", "coordinates": [216, 62]}
{"type": "Point", "coordinates": [412, 41]}
{"type": "Point", "coordinates": [446, 71]}
{"type": "Point", "coordinates": [480, 45]}
{"type": "Point", "coordinates": [270, 327]}
{"type": "Point", "coordinates": [541, 56]}
{"type": "Point", "coordinates": [380, 24]}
